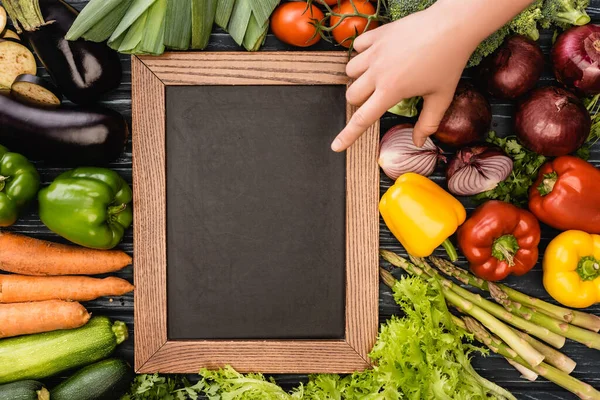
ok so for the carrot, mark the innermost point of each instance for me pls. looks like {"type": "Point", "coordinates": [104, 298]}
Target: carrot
{"type": "Point", "coordinates": [44, 316]}
{"type": "Point", "coordinates": [20, 288]}
{"type": "Point", "coordinates": [28, 256]}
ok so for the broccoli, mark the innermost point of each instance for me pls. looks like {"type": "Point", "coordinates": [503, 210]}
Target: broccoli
{"type": "Point", "coordinates": [564, 13]}
{"type": "Point", "coordinates": [526, 22]}
{"type": "Point", "coordinates": [402, 8]}
{"type": "Point", "coordinates": [488, 46]}
{"type": "Point", "coordinates": [407, 107]}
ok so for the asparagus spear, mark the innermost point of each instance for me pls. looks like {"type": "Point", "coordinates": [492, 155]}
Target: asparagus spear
{"type": "Point", "coordinates": [526, 373]}
{"type": "Point", "coordinates": [502, 393]}
{"type": "Point", "coordinates": [552, 356]}
{"type": "Point", "coordinates": [522, 348]}
{"type": "Point", "coordinates": [581, 389]}
{"type": "Point", "coordinates": [537, 329]}
{"type": "Point", "coordinates": [578, 318]}
{"type": "Point", "coordinates": [584, 336]}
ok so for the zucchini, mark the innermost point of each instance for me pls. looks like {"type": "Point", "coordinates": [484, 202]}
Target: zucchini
{"type": "Point", "coordinates": [35, 91]}
{"type": "Point", "coordinates": [46, 354]}
{"type": "Point", "coordinates": [105, 380]}
{"type": "Point", "coordinates": [15, 59]}
{"type": "Point", "coordinates": [24, 390]}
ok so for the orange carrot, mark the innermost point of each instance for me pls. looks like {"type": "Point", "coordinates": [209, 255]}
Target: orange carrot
{"type": "Point", "coordinates": [28, 256]}
{"type": "Point", "coordinates": [43, 316]}
{"type": "Point", "coordinates": [20, 288]}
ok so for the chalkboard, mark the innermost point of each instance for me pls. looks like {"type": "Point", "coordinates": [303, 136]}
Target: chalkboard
{"type": "Point", "coordinates": [255, 245]}
{"type": "Point", "coordinates": [255, 212]}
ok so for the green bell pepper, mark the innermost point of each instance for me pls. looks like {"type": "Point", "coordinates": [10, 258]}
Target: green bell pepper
{"type": "Point", "coordinates": [19, 183]}
{"type": "Point", "coordinates": [88, 206]}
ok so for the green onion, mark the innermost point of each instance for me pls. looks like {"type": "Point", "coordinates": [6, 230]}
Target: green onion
{"type": "Point", "coordinates": [203, 18]}
{"type": "Point", "coordinates": [224, 9]}
{"type": "Point", "coordinates": [178, 24]}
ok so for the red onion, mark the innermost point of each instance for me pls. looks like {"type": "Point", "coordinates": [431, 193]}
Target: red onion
{"type": "Point", "coordinates": [398, 154]}
{"type": "Point", "coordinates": [552, 121]}
{"type": "Point", "coordinates": [513, 69]}
{"type": "Point", "coordinates": [477, 169]}
{"type": "Point", "coordinates": [467, 120]}
{"type": "Point", "coordinates": [575, 57]}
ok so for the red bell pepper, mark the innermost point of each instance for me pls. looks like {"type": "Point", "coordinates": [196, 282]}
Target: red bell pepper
{"type": "Point", "coordinates": [566, 195]}
{"type": "Point", "coordinates": [500, 239]}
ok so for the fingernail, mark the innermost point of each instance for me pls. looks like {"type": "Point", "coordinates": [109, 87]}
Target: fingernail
{"type": "Point", "coordinates": [336, 145]}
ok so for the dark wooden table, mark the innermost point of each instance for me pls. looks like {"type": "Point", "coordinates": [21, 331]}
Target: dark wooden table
{"type": "Point", "coordinates": [492, 367]}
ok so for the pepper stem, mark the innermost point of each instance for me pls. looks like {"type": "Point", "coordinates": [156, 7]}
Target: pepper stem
{"type": "Point", "coordinates": [504, 249]}
{"type": "Point", "coordinates": [450, 249]}
{"type": "Point", "coordinates": [3, 180]}
{"type": "Point", "coordinates": [548, 183]}
{"type": "Point", "coordinates": [114, 210]}
{"type": "Point", "coordinates": [588, 268]}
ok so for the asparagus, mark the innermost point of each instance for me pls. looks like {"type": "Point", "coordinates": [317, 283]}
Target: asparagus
{"type": "Point", "coordinates": [552, 356]}
{"type": "Point", "coordinates": [526, 373]}
{"type": "Point", "coordinates": [389, 280]}
{"type": "Point", "coordinates": [578, 318]}
{"type": "Point", "coordinates": [537, 329]}
{"type": "Point", "coordinates": [581, 389]}
{"type": "Point", "coordinates": [584, 336]}
{"type": "Point", "coordinates": [519, 345]}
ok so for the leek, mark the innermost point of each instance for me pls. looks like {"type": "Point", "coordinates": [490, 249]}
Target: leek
{"type": "Point", "coordinates": [263, 9]}
{"type": "Point", "coordinates": [133, 36]}
{"type": "Point", "coordinates": [154, 30]}
{"type": "Point", "coordinates": [224, 9]}
{"type": "Point", "coordinates": [255, 34]}
{"type": "Point", "coordinates": [178, 24]}
{"type": "Point", "coordinates": [107, 25]}
{"type": "Point", "coordinates": [94, 14]}
{"type": "Point", "coordinates": [240, 18]}
{"type": "Point", "coordinates": [203, 18]}
{"type": "Point", "coordinates": [137, 8]}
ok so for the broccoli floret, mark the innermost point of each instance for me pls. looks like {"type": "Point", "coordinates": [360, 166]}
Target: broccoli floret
{"type": "Point", "coordinates": [488, 46]}
{"type": "Point", "coordinates": [526, 22]}
{"type": "Point", "coordinates": [402, 8]}
{"type": "Point", "coordinates": [564, 13]}
{"type": "Point", "coordinates": [407, 107]}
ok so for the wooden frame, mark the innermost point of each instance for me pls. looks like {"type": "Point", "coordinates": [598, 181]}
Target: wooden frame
{"type": "Point", "coordinates": [153, 351]}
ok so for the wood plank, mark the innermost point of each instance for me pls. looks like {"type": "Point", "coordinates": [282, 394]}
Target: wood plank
{"type": "Point", "coordinates": [149, 202]}
{"type": "Point", "coordinates": [276, 68]}
{"type": "Point", "coordinates": [268, 356]}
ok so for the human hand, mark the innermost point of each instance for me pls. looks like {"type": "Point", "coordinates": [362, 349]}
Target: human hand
{"type": "Point", "coordinates": [423, 54]}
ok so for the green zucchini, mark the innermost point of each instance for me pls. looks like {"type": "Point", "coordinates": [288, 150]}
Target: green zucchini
{"type": "Point", "coordinates": [46, 354]}
{"type": "Point", "coordinates": [104, 380]}
{"type": "Point", "coordinates": [24, 390]}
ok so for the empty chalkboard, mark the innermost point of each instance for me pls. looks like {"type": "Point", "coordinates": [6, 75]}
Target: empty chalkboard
{"type": "Point", "coordinates": [255, 245]}
{"type": "Point", "coordinates": [255, 212]}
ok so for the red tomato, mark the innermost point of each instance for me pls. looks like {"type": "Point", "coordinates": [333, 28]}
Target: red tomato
{"type": "Point", "coordinates": [292, 25]}
{"type": "Point", "coordinates": [348, 28]}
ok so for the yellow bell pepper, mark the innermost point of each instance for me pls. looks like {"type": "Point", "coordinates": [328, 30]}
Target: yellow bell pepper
{"type": "Point", "coordinates": [572, 269]}
{"type": "Point", "coordinates": [421, 215]}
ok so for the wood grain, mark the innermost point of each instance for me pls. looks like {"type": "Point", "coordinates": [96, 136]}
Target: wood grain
{"type": "Point", "coordinates": [276, 68]}
{"type": "Point", "coordinates": [152, 351]}
{"type": "Point", "coordinates": [268, 356]}
{"type": "Point", "coordinates": [149, 203]}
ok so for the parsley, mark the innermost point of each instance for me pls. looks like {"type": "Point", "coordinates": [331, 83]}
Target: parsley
{"type": "Point", "coordinates": [593, 106]}
{"type": "Point", "coordinates": [526, 165]}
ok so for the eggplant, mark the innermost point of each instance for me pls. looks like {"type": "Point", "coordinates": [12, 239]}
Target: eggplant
{"type": "Point", "coordinates": [84, 71]}
{"type": "Point", "coordinates": [35, 91]}
{"type": "Point", "coordinates": [64, 136]}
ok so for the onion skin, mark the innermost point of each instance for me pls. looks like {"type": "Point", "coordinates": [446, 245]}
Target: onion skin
{"type": "Point", "coordinates": [575, 59]}
{"type": "Point", "coordinates": [552, 121]}
{"type": "Point", "coordinates": [398, 154]}
{"type": "Point", "coordinates": [477, 169]}
{"type": "Point", "coordinates": [513, 69]}
{"type": "Point", "coordinates": [467, 120]}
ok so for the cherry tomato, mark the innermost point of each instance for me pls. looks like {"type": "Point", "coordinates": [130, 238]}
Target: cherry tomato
{"type": "Point", "coordinates": [292, 23]}
{"type": "Point", "coordinates": [350, 26]}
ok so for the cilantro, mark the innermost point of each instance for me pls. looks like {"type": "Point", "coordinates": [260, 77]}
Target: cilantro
{"type": "Point", "coordinates": [422, 355]}
{"type": "Point", "coordinates": [526, 165]}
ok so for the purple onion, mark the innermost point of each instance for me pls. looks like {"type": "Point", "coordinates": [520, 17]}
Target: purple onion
{"type": "Point", "coordinates": [477, 169]}
{"type": "Point", "coordinates": [398, 154]}
{"type": "Point", "coordinates": [552, 121]}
